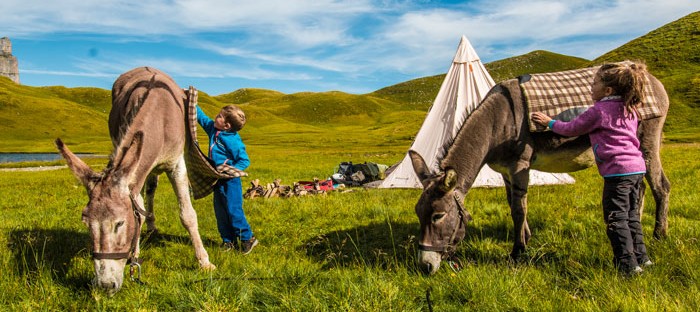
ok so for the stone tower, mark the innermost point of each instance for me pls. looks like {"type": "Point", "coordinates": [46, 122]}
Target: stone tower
{"type": "Point", "coordinates": [8, 63]}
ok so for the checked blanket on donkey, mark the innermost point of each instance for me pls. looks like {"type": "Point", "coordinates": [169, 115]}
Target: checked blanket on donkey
{"type": "Point", "coordinates": [564, 95]}
{"type": "Point", "coordinates": [200, 169]}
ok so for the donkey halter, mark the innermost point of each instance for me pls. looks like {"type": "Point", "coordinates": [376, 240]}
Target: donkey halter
{"type": "Point", "coordinates": [134, 263]}
{"type": "Point", "coordinates": [448, 250]}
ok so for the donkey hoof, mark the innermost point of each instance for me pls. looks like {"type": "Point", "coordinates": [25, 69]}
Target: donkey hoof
{"type": "Point", "coordinates": [152, 232]}
{"type": "Point", "coordinates": [516, 253]}
{"type": "Point", "coordinates": [660, 233]}
{"type": "Point", "coordinates": [208, 266]}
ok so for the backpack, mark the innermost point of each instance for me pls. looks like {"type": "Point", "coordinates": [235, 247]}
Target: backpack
{"type": "Point", "coordinates": [370, 171]}
{"type": "Point", "coordinates": [344, 174]}
{"type": "Point", "coordinates": [346, 169]}
{"type": "Point", "coordinates": [357, 174]}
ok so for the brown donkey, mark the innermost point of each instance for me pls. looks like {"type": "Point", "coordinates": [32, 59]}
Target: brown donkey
{"type": "Point", "coordinates": [147, 127]}
{"type": "Point", "coordinates": [497, 134]}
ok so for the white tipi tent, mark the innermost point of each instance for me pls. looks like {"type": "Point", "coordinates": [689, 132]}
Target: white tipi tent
{"type": "Point", "coordinates": [466, 83]}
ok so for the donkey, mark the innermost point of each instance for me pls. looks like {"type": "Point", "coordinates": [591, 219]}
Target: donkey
{"type": "Point", "coordinates": [147, 128]}
{"type": "Point", "coordinates": [497, 134]}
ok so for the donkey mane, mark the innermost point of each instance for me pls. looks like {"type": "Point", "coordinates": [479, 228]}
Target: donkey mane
{"type": "Point", "coordinates": [148, 85]}
{"type": "Point", "coordinates": [448, 144]}
{"type": "Point", "coordinates": [123, 99]}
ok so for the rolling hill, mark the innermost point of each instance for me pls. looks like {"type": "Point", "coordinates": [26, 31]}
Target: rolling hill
{"type": "Point", "coordinates": [32, 117]}
{"type": "Point", "coordinates": [672, 54]}
{"type": "Point", "coordinates": [420, 93]}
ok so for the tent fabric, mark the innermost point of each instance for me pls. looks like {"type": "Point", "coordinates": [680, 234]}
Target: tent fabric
{"type": "Point", "coordinates": [465, 84]}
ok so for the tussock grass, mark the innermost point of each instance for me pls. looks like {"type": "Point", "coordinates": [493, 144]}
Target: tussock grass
{"type": "Point", "coordinates": [351, 251]}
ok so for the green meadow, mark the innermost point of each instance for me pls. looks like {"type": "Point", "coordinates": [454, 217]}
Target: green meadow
{"type": "Point", "coordinates": [349, 251]}
{"type": "Point", "coordinates": [352, 251]}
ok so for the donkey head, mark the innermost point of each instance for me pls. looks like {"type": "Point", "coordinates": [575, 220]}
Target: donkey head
{"type": "Point", "coordinates": [441, 214]}
{"type": "Point", "coordinates": [109, 214]}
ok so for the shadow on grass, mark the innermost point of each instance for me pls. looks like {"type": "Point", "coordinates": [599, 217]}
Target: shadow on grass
{"type": "Point", "coordinates": [493, 242]}
{"type": "Point", "coordinates": [379, 245]}
{"type": "Point", "coordinates": [388, 246]}
{"type": "Point", "coordinates": [38, 252]}
{"type": "Point", "coordinates": [160, 239]}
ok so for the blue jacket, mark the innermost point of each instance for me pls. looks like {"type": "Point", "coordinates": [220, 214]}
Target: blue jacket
{"type": "Point", "coordinates": [224, 147]}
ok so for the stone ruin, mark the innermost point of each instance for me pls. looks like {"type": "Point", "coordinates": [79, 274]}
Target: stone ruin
{"type": "Point", "coordinates": [8, 63]}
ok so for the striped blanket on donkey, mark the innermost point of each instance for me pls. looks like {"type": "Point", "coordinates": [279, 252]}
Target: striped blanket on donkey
{"type": "Point", "coordinates": [200, 169]}
{"type": "Point", "coordinates": [565, 95]}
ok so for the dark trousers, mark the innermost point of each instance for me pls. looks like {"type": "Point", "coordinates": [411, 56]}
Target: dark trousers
{"type": "Point", "coordinates": [622, 219]}
{"type": "Point", "coordinates": [228, 208]}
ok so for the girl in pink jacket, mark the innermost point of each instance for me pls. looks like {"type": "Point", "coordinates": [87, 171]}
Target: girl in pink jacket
{"type": "Point", "coordinates": [611, 124]}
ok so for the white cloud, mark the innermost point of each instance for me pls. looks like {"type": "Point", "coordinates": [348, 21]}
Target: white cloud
{"type": "Point", "coordinates": [183, 68]}
{"type": "Point", "coordinates": [67, 73]}
{"type": "Point", "coordinates": [307, 21]}
{"type": "Point", "coordinates": [577, 28]}
{"type": "Point", "coordinates": [317, 39]}
{"type": "Point", "coordinates": [281, 58]}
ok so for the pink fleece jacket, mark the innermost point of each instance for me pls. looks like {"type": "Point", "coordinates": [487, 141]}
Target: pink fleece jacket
{"type": "Point", "coordinates": [613, 137]}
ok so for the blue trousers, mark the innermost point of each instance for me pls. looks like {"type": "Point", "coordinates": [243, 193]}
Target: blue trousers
{"type": "Point", "coordinates": [228, 208]}
{"type": "Point", "coordinates": [621, 214]}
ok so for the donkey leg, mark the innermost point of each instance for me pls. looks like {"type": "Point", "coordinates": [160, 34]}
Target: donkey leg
{"type": "Point", "coordinates": [188, 216]}
{"type": "Point", "coordinates": [150, 191]}
{"type": "Point", "coordinates": [640, 200]}
{"type": "Point", "coordinates": [650, 144]}
{"type": "Point", "coordinates": [509, 196]}
{"type": "Point", "coordinates": [518, 209]}
{"type": "Point", "coordinates": [660, 188]}
{"type": "Point", "coordinates": [140, 202]}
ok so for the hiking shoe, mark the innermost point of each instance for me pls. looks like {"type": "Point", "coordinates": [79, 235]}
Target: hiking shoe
{"type": "Point", "coordinates": [247, 246]}
{"type": "Point", "coordinates": [637, 270]}
{"type": "Point", "coordinates": [227, 246]}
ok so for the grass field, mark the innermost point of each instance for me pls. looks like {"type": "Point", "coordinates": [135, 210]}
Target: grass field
{"type": "Point", "coordinates": [351, 251]}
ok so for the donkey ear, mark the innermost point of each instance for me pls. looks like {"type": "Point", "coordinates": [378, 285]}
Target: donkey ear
{"type": "Point", "coordinates": [419, 166]}
{"type": "Point", "coordinates": [449, 181]}
{"type": "Point", "coordinates": [127, 158]}
{"type": "Point", "coordinates": [79, 168]}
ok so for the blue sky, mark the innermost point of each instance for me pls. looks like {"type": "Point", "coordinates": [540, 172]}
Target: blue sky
{"type": "Point", "coordinates": [291, 46]}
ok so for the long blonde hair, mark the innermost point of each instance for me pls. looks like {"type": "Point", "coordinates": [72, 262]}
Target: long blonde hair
{"type": "Point", "coordinates": [627, 80]}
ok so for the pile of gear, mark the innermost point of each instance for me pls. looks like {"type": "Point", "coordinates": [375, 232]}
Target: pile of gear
{"type": "Point", "coordinates": [301, 188]}
{"type": "Point", "coordinates": [358, 174]}
{"type": "Point", "coordinates": [347, 174]}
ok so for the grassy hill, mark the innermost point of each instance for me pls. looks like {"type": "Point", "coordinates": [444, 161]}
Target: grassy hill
{"type": "Point", "coordinates": [532, 63]}
{"type": "Point", "coordinates": [672, 54]}
{"type": "Point", "coordinates": [246, 95]}
{"type": "Point", "coordinates": [420, 93]}
{"type": "Point", "coordinates": [31, 118]}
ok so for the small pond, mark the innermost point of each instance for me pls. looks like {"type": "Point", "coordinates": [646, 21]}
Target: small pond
{"type": "Point", "coordinates": [21, 157]}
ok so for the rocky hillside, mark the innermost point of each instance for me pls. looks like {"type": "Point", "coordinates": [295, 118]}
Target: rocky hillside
{"type": "Point", "coordinates": [8, 63]}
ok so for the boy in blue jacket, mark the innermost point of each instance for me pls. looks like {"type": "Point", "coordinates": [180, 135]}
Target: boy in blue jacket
{"type": "Point", "coordinates": [226, 147]}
